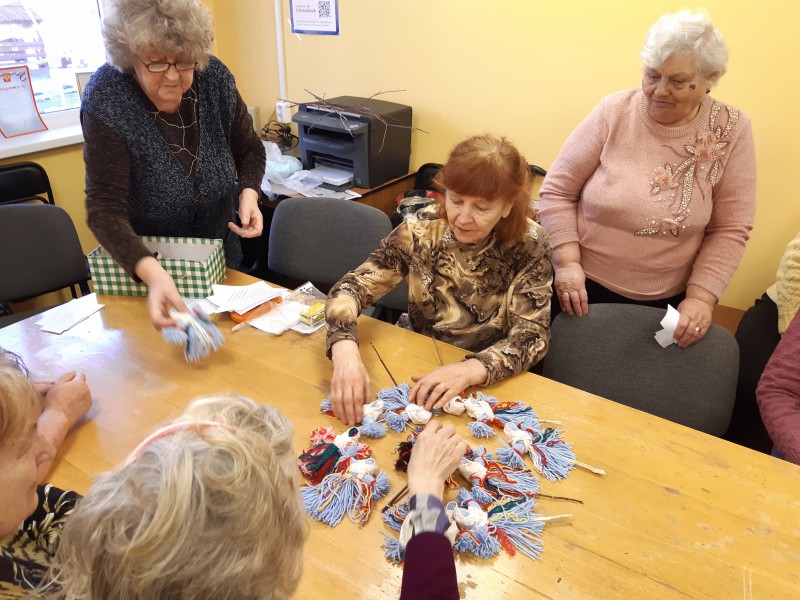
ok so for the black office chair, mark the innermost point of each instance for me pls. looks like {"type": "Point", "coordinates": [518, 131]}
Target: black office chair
{"type": "Point", "coordinates": [24, 182]}
{"type": "Point", "coordinates": [321, 239]}
{"type": "Point", "coordinates": [39, 253]}
{"type": "Point", "coordinates": [611, 352]}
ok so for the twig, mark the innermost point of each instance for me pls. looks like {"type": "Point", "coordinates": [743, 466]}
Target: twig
{"type": "Point", "coordinates": [439, 356]}
{"type": "Point", "coordinates": [384, 364]}
{"type": "Point", "coordinates": [397, 497]}
{"type": "Point", "coordinates": [541, 495]}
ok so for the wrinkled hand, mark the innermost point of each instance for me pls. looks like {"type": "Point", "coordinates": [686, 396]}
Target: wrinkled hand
{"type": "Point", "coordinates": [350, 383]}
{"type": "Point", "coordinates": [444, 383]}
{"type": "Point", "coordinates": [162, 295]}
{"type": "Point", "coordinates": [570, 289]}
{"type": "Point", "coordinates": [435, 456]}
{"type": "Point", "coordinates": [69, 395]}
{"type": "Point", "coordinates": [694, 321]}
{"type": "Point", "coordinates": [249, 214]}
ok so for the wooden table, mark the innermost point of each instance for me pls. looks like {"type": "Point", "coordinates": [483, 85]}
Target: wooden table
{"type": "Point", "coordinates": [679, 514]}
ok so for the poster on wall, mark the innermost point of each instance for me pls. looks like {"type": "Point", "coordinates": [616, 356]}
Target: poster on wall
{"type": "Point", "coordinates": [18, 112]}
{"type": "Point", "coordinates": [319, 17]}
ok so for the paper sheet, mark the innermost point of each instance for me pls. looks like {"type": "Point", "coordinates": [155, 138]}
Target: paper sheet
{"type": "Point", "coordinates": [280, 318]}
{"type": "Point", "coordinates": [669, 323]}
{"type": "Point", "coordinates": [65, 317]}
{"type": "Point", "coordinates": [241, 298]}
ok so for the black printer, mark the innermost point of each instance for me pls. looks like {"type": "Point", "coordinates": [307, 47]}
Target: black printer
{"type": "Point", "coordinates": [354, 136]}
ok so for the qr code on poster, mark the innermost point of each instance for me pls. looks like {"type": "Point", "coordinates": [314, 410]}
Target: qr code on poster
{"type": "Point", "coordinates": [324, 8]}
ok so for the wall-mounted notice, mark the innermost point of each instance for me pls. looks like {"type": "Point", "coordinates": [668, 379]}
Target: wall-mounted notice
{"type": "Point", "coordinates": [18, 112]}
{"type": "Point", "coordinates": [315, 16]}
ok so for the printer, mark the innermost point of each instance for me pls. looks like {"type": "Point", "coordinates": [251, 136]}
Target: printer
{"type": "Point", "coordinates": [351, 133]}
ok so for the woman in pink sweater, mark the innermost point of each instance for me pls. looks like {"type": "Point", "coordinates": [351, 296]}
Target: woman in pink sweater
{"type": "Point", "coordinates": [651, 199]}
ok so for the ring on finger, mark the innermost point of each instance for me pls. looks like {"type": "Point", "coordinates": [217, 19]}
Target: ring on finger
{"type": "Point", "coordinates": [565, 294]}
{"type": "Point", "coordinates": [697, 329]}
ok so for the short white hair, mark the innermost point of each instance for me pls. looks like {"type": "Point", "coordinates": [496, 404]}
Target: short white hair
{"type": "Point", "coordinates": [687, 31]}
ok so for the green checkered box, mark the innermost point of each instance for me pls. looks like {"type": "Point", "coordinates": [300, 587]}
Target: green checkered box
{"type": "Point", "coordinates": [195, 264]}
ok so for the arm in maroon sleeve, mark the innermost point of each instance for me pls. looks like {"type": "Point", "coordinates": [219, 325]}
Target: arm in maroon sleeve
{"type": "Point", "coordinates": [430, 571]}
{"type": "Point", "coordinates": [778, 394]}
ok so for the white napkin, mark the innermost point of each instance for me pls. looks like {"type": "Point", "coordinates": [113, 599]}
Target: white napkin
{"type": "Point", "coordinates": [669, 323]}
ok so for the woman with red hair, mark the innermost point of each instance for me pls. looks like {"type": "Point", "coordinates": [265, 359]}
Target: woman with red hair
{"type": "Point", "coordinates": [479, 277]}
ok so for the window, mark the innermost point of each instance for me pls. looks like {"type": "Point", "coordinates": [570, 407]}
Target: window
{"type": "Point", "coordinates": [56, 39]}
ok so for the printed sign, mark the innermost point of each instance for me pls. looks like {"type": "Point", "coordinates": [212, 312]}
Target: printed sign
{"type": "Point", "coordinates": [315, 16]}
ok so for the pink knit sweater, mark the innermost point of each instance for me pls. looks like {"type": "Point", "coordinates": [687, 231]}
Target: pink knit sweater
{"type": "Point", "coordinates": [654, 208]}
{"type": "Point", "coordinates": [778, 394]}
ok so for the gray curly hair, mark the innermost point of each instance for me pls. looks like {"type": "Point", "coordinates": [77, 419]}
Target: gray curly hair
{"type": "Point", "coordinates": [175, 27]}
{"type": "Point", "coordinates": [203, 512]}
{"type": "Point", "coordinates": [687, 31]}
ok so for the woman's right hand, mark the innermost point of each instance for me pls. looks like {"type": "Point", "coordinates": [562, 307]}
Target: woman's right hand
{"type": "Point", "coordinates": [349, 384]}
{"type": "Point", "coordinates": [435, 456]}
{"type": "Point", "coordinates": [570, 279]}
{"type": "Point", "coordinates": [162, 295]}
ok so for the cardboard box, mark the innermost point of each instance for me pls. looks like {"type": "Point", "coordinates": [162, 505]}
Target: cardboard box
{"type": "Point", "coordinates": [195, 264]}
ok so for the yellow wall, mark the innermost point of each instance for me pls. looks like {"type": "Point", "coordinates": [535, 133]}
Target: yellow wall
{"type": "Point", "coordinates": [532, 70]}
{"type": "Point", "coordinates": [528, 69]}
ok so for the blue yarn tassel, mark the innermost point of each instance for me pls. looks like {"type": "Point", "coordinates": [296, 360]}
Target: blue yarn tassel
{"type": "Point", "coordinates": [480, 429]}
{"type": "Point", "coordinates": [397, 422]}
{"type": "Point", "coordinates": [478, 541]}
{"type": "Point", "coordinates": [393, 551]}
{"type": "Point", "coordinates": [515, 519]}
{"type": "Point", "coordinates": [373, 429]}
{"type": "Point", "coordinates": [395, 516]}
{"type": "Point", "coordinates": [508, 456]}
{"type": "Point", "coordinates": [381, 486]}
{"type": "Point", "coordinates": [325, 407]}
{"type": "Point", "coordinates": [395, 398]}
{"type": "Point", "coordinates": [481, 495]}
{"type": "Point", "coordinates": [197, 333]}
{"type": "Point", "coordinates": [552, 456]}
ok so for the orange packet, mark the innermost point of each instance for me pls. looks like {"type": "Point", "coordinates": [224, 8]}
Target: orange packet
{"type": "Point", "coordinates": [259, 310]}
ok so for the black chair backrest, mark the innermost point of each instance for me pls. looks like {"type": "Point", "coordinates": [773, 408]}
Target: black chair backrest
{"type": "Point", "coordinates": [611, 352]}
{"type": "Point", "coordinates": [25, 181]}
{"type": "Point", "coordinates": [322, 239]}
{"type": "Point", "coordinates": [39, 252]}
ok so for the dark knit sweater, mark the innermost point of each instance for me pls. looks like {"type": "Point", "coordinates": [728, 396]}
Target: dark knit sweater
{"type": "Point", "coordinates": [155, 173]}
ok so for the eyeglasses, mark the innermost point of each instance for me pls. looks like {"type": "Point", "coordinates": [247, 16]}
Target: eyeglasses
{"type": "Point", "coordinates": [163, 67]}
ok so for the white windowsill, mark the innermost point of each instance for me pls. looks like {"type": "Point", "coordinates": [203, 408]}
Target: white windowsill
{"type": "Point", "coordinates": [64, 129]}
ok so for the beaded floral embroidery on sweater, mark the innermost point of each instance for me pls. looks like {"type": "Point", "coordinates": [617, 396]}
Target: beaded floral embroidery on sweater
{"type": "Point", "coordinates": [709, 148]}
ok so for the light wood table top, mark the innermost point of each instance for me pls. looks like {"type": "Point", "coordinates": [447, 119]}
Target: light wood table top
{"type": "Point", "coordinates": [679, 514]}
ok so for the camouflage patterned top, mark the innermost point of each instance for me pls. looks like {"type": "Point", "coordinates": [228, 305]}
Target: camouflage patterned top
{"type": "Point", "coordinates": [490, 298]}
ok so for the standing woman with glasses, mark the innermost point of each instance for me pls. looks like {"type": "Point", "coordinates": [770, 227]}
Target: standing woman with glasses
{"type": "Point", "coordinates": [167, 136]}
{"type": "Point", "coordinates": [651, 199]}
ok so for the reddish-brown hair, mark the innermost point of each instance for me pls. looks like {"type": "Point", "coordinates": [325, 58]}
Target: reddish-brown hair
{"type": "Point", "coordinates": [490, 167]}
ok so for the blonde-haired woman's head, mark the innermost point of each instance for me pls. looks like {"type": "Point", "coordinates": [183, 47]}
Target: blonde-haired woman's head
{"type": "Point", "coordinates": [208, 507]}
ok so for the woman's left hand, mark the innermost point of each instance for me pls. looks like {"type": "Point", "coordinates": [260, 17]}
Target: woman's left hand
{"type": "Point", "coordinates": [249, 214]}
{"type": "Point", "coordinates": [694, 321]}
{"type": "Point", "coordinates": [444, 383]}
